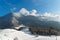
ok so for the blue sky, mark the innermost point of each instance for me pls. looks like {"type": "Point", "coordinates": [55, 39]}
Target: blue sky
{"type": "Point", "coordinates": [42, 6]}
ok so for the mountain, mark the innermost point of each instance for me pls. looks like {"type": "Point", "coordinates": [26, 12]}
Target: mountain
{"type": "Point", "coordinates": [12, 20]}
{"type": "Point", "coordinates": [38, 22]}
{"type": "Point", "coordinates": [8, 21]}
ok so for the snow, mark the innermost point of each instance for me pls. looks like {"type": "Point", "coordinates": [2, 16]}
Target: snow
{"type": "Point", "coordinates": [20, 26]}
{"type": "Point", "coordinates": [11, 34]}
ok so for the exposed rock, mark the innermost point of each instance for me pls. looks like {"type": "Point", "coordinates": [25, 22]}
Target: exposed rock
{"type": "Point", "coordinates": [15, 22]}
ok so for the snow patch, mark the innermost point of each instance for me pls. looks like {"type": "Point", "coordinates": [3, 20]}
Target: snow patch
{"type": "Point", "coordinates": [20, 26]}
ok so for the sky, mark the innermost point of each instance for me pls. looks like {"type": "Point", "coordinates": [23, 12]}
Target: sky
{"type": "Point", "coordinates": [42, 6]}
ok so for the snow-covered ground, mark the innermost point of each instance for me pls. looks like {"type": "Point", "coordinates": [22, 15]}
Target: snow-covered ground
{"type": "Point", "coordinates": [11, 34]}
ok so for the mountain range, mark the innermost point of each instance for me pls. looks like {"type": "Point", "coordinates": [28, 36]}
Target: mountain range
{"type": "Point", "coordinates": [12, 20]}
{"type": "Point", "coordinates": [9, 21]}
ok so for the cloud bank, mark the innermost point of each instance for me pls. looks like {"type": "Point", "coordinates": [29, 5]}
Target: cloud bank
{"type": "Point", "coordinates": [46, 16]}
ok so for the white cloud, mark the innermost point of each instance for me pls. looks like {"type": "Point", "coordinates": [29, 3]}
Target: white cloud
{"type": "Point", "coordinates": [17, 14]}
{"type": "Point", "coordinates": [23, 11]}
{"type": "Point", "coordinates": [46, 15]}
{"type": "Point", "coordinates": [49, 14]}
{"type": "Point", "coordinates": [33, 13]}
{"type": "Point", "coordinates": [50, 17]}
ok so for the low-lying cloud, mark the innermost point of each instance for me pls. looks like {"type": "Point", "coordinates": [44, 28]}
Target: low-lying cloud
{"type": "Point", "coordinates": [46, 15]}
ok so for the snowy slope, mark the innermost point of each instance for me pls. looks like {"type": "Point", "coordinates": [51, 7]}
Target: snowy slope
{"type": "Point", "coordinates": [11, 34]}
